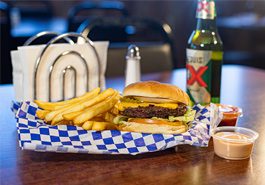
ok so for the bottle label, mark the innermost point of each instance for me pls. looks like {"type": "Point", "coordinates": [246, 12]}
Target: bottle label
{"type": "Point", "coordinates": [199, 71]}
{"type": "Point", "coordinates": [205, 9]}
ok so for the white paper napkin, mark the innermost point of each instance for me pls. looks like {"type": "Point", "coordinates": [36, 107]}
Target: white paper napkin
{"type": "Point", "coordinates": [24, 64]}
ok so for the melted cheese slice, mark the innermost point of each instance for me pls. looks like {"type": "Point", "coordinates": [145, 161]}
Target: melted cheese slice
{"type": "Point", "coordinates": [124, 105]}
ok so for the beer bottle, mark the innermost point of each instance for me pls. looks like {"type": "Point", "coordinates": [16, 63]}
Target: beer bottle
{"type": "Point", "coordinates": [204, 57]}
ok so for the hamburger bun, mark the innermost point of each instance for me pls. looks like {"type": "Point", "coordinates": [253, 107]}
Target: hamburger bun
{"type": "Point", "coordinates": [162, 109]}
{"type": "Point", "coordinates": [152, 91]}
{"type": "Point", "coordinates": [153, 128]}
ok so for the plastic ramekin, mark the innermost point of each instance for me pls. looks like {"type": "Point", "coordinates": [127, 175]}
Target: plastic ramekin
{"type": "Point", "coordinates": [234, 143]}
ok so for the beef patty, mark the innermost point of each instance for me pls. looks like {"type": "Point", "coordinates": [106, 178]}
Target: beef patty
{"type": "Point", "coordinates": [154, 111]}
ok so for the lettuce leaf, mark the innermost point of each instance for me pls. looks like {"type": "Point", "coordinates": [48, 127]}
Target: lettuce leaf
{"type": "Point", "coordinates": [189, 116]}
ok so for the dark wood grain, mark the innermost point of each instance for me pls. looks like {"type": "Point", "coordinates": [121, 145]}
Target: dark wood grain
{"type": "Point", "coordinates": [241, 86]}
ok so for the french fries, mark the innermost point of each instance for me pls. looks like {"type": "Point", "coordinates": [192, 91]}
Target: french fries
{"type": "Point", "coordinates": [64, 122]}
{"type": "Point", "coordinates": [42, 113]}
{"type": "Point", "coordinates": [53, 106]}
{"type": "Point", "coordinates": [71, 115]}
{"type": "Point", "coordinates": [88, 125]}
{"type": "Point", "coordinates": [92, 111]}
{"type": "Point", "coordinates": [109, 117]}
{"type": "Point", "coordinates": [79, 106]}
{"type": "Point", "coordinates": [97, 109]}
{"type": "Point", "coordinates": [98, 126]}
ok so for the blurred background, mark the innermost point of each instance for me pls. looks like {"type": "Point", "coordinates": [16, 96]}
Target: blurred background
{"type": "Point", "coordinates": [241, 25]}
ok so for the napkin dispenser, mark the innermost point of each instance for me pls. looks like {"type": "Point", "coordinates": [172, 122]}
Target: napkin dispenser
{"type": "Point", "coordinates": [56, 71]}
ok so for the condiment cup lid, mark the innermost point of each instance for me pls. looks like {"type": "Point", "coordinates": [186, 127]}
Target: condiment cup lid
{"type": "Point", "coordinates": [229, 111]}
{"type": "Point", "coordinates": [251, 133]}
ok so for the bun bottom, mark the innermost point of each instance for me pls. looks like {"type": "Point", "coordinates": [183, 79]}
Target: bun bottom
{"type": "Point", "coordinates": [152, 128]}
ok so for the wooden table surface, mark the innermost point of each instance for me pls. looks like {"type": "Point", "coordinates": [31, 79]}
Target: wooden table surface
{"type": "Point", "coordinates": [241, 86]}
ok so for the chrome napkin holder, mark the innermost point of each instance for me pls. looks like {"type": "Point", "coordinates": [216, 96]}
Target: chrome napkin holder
{"type": "Point", "coordinates": [57, 37]}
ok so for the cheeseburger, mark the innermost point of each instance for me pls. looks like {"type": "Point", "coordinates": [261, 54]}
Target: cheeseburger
{"type": "Point", "coordinates": [153, 107]}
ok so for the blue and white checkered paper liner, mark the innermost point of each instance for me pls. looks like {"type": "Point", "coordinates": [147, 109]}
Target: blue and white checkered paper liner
{"type": "Point", "coordinates": [35, 134]}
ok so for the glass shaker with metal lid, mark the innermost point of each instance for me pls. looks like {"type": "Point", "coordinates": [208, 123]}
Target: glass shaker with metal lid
{"type": "Point", "coordinates": [132, 69]}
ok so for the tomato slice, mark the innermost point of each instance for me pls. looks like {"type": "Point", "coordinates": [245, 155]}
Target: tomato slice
{"type": "Point", "coordinates": [153, 121]}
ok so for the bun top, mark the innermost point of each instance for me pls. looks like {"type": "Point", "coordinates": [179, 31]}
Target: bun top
{"type": "Point", "coordinates": [153, 89]}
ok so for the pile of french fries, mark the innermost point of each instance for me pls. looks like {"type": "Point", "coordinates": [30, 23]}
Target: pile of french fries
{"type": "Point", "coordinates": [91, 111]}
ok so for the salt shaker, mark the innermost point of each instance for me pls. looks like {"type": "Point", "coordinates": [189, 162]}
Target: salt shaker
{"type": "Point", "coordinates": [132, 69]}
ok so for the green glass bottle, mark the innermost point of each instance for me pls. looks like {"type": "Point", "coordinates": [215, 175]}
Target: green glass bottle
{"type": "Point", "coordinates": [204, 57]}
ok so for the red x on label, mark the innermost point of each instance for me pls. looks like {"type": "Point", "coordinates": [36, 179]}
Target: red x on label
{"type": "Point", "coordinates": [196, 75]}
{"type": "Point", "coordinates": [203, 6]}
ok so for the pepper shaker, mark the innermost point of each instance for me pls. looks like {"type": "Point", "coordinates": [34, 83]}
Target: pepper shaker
{"type": "Point", "coordinates": [132, 69]}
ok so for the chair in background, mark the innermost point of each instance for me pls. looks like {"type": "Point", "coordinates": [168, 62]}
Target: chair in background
{"type": "Point", "coordinates": [5, 59]}
{"type": "Point", "coordinates": [91, 9]}
{"type": "Point", "coordinates": [249, 51]}
{"type": "Point", "coordinates": [33, 9]}
{"type": "Point", "coordinates": [29, 18]}
{"type": "Point", "coordinates": [153, 38]}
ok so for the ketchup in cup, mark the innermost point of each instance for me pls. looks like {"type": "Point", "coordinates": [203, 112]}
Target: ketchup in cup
{"type": "Point", "coordinates": [230, 114]}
